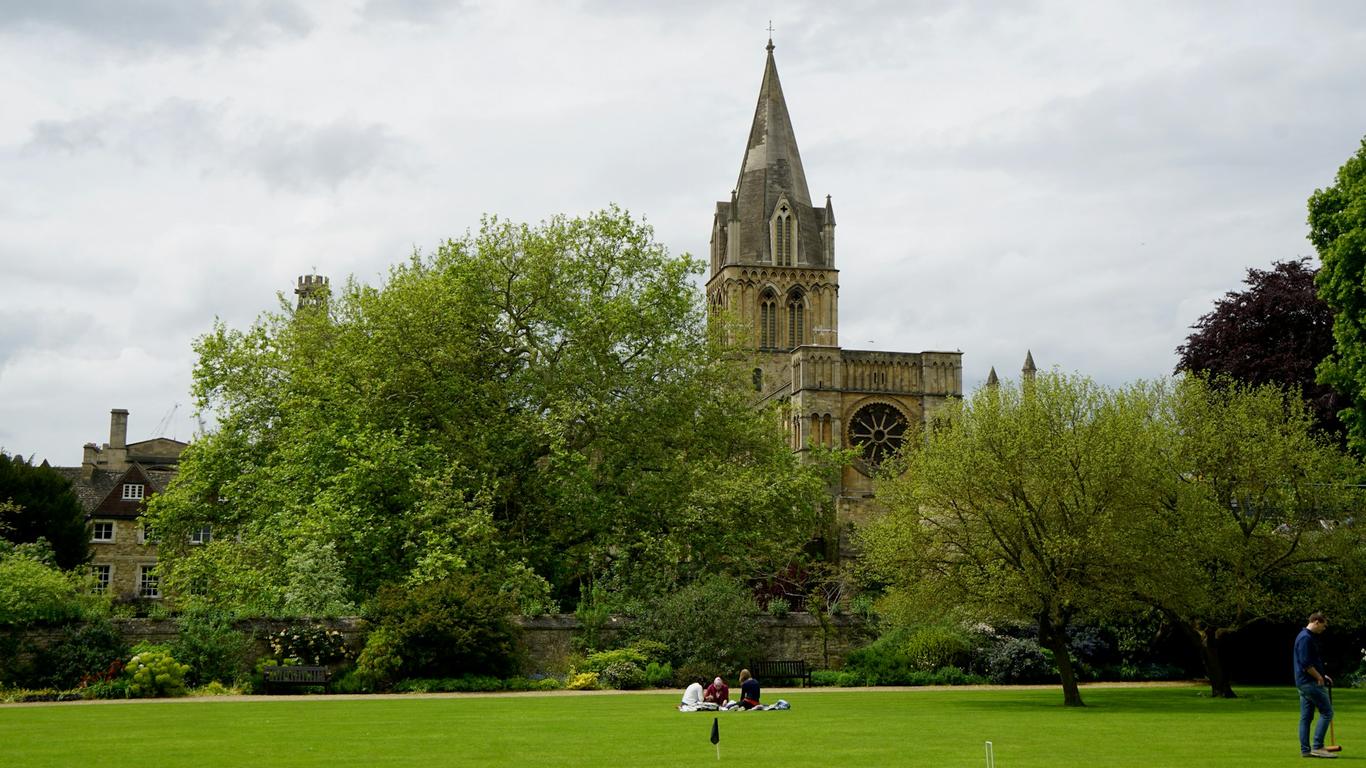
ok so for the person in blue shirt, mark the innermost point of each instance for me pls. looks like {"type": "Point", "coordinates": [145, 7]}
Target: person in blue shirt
{"type": "Point", "coordinates": [1310, 680]}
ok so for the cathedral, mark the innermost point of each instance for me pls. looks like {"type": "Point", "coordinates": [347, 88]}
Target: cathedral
{"type": "Point", "coordinates": [773, 269]}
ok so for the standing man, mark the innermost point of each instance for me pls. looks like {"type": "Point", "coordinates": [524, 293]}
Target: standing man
{"type": "Point", "coordinates": [1310, 680]}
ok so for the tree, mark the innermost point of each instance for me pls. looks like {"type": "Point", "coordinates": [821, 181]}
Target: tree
{"type": "Point", "coordinates": [1012, 509]}
{"type": "Point", "coordinates": [43, 506]}
{"type": "Point", "coordinates": [1276, 331]}
{"type": "Point", "coordinates": [1337, 228]}
{"type": "Point", "coordinates": [545, 404]}
{"type": "Point", "coordinates": [1247, 521]}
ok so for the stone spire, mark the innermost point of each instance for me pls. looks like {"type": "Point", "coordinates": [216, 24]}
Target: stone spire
{"type": "Point", "coordinates": [992, 380]}
{"type": "Point", "coordinates": [772, 172]}
{"type": "Point", "coordinates": [1028, 370]}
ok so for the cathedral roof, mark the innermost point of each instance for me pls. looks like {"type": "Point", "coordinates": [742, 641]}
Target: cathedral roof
{"type": "Point", "coordinates": [770, 172]}
{"type": "Point", "coordinates": [772, 163]}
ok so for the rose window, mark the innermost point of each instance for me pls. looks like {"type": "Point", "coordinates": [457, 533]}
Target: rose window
{"type": "Point", "coordinates": [878, 429]}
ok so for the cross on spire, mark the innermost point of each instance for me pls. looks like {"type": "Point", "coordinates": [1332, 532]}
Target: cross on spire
{"type": "Point", "coordinates": [770, 34]}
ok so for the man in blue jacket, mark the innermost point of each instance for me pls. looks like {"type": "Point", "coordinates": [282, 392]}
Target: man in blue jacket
{"type": "Point", "coordinates": [1310, 680]}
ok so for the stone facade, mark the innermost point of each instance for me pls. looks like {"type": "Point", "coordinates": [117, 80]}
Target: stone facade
{"type": "Point", "coordinates": [773, 275]}
{"type": "Point", "coordinates": [113, 483]}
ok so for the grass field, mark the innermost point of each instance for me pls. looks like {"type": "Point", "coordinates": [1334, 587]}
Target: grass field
{"type": "Point", "coordinates": [924, 727]}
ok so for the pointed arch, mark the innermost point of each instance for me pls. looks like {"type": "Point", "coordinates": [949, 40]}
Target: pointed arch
{"type": "Point", "coordinates": [796, 317]}
{"type": "Point", "coordinates": [768, 319]}
{"type": "Point", "coordinates": [783, 233]}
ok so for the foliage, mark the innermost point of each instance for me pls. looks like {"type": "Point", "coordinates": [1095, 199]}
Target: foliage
{"type": "Point", "coordinates": [317, 585]}
{"type": "Point", "coordinates": [934, 646]}
{"type": "Point", "coordinates": [623, 676]}
{"type": "Point", "coordinates": [153, 672]}
{"type": "Point", "coordinates": [1012, 660]}
{"type": "Point", "coordinates": [659, 675]}
{"type": "Point", "coordinates": [1012, 508]}
{"type": "Point", "coordinates": [81, 654]}
{"type": "Point", "coordinates": [597, 662]}
{"type": "Point", "coordinates": [1276, 331]}
{"type": "Point", "coordinates": [713, 622]}
{"type": "Point", "coordinates": [545, 400]}
{"type": "Point", "coordinates": [212, 646]}
{"type": "Point", "coordinates": [1337, 228]}
{"type": "Point", "coordinates": [309, 644]}
{"type": "Point", "coordinates": [779, 607]}
{"type": "Point", "coordinates": [379, 662]}
{"type": "Point", "coordinates": [1246, 524]}
{"type": "Point", "coordinates": [593, 613]}
{"type": "Point", "coordinates": [33, 591]}
{"type": "Point", "coordinates": [447, 628]}
{"type": "Point", "coordinates": [38, 503]}
{"type": "Point", "coordinates": [582, 681]}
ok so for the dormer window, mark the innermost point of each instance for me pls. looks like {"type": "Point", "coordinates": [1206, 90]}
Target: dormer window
{"type": "Point", "coordinates": [132, 491]}
{"type": "Point", "coordinates": [783, 228]}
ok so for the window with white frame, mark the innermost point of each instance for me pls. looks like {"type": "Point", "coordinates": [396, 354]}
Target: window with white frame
{"type": "Point", "coordinates": [201, 535]}
{"type": "Point", "coordinates": [149, 585]}
{"type": "Point", "coordinates": [103, 573]}
{"type": "Point", "coordinates": [145, 535]}
{"type": "Point", "coordinates": [102, 531]}
{"type": "Point", "coordinates": [132, 491]}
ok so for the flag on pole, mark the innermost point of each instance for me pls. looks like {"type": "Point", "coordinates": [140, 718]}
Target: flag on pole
{"type": "Point", "coordinates": [715, 730]}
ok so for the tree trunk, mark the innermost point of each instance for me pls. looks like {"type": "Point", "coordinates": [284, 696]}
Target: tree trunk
{"type": "Point", "coordinates": [1053, 636]}
{"type": "Point", "coordinates": [1206, 638]}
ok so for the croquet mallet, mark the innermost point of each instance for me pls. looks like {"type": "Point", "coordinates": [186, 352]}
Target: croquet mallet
{"type": "Point", "coordinates": [1332, 735]}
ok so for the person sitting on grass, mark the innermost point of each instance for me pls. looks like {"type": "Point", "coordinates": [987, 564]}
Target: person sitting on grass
{"type": "Point", "coordinates": [692, 696]}
{"type": "Point", "coordinates": [717, 693]}
{"type": "Point", "coordinates": [749, 690]}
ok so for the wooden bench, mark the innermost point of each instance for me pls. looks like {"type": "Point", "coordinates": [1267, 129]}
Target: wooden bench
{"type": "Point", "coordinates": [278, 677]}
{"type": "Point", "coordinates": [795, 670]}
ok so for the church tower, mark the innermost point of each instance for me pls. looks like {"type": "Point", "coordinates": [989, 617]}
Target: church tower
{"type": "Point", "coordinates": [773, 272]}
{"type": "Point", "coordinates": [772, 251]}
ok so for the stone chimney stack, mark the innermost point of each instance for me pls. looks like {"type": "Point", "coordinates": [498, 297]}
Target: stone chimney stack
{"type": "Point", "coordinates": [118, 428]}
{"type": "Point", "coordinates": [88, 461]}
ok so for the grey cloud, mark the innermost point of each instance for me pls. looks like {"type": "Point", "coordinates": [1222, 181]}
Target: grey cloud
{"type": "Point", "coordinates": [414, 11]}
{"type": "Point", "coordinates": [285, 155]}
{"type": "Point", "coordinates": [52, 330]}
{"type": "Point", "coordinates": [142, 24]}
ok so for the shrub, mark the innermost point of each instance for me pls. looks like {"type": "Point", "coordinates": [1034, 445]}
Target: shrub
{"type": "Point", "coordinates": [934, 646]}
{"type": "Point", "coordinates": [583, 681]}
{"type": "Point", "coordinates": [622, 675]}
{"type": "Point", "coordinates": [450, 627]}
{"type": "Point", "coordinates": [885, 661]}
{"type": "Point", "coordinates": [212, 646]}
{"type": "Point", "coordinates": [80, 654]}
{"type": "Point", "coordinates": [597, 662]}
{"type": "Point", "coordinates": [712, 622]}
{"type": "Point", "coordinates": [153, 672]}
{"type": "Point", "coordinates": [836, 678]}
{"type": "Point", "coordinates": [309, 644]}
{"type": "Point", "coordinates": [779, 607]}
{"type": "Point", "coordinates": [379, 663]}
{"type": "Point", "coordinates": [1017, 660]}
{"type": "Point", "coordinates": [659, 675]}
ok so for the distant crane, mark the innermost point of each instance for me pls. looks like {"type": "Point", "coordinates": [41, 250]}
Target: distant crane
{"type": "Point", "coordinates": [166, 422]}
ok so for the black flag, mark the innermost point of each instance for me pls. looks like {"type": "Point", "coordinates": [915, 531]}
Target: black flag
{"type": "Point", "coordinates": [716, 730]}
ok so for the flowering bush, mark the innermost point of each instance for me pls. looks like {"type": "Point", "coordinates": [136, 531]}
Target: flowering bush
{"type": "Point", "coordinates": [583, 681]}
{"type": "Point", "coordinates": [154, 673]}
{"type": "Point", "coordinates": [310, 645]}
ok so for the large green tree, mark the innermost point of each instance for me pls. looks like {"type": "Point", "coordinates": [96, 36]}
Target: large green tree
{"type": "Point", "coordinates": [1247, 520]}
{"type": "Point", "coordinates": [43, 506]}
{"type": "Point", "coordinates": [1337, 228]}
{"type": "Point", "coordinates": [543, 403]}
{"type": "Point", "coordinates": [1012, 508]}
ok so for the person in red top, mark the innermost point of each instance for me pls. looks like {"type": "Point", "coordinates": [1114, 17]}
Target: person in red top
{"type": "Point", "coordinates": [717, 693]}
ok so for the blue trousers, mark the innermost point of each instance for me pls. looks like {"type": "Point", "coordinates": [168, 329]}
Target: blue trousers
{"type": "Point", "coordinates": [1314, 697]}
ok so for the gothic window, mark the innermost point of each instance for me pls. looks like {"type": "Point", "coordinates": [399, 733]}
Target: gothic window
{"type": "Point", "coordinates": [877, 430]}
{"type": "Point", "coordinates": [784, 227]}
{"type": "Point", "coordinates": [796, 319]}
{"type": "Point", "coordinates": [768, 320]}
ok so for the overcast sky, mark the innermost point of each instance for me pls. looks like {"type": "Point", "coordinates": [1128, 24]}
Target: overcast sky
{"type": "Point", "coordinates": [1077, 178]}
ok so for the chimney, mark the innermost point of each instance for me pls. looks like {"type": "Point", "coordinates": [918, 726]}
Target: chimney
{"type": "Point", "coordinates": [118, 428]}
{"type": "Point", "coordinates": [88, 461]}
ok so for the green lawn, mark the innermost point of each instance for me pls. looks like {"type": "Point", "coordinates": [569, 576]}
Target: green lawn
{"type": "Point", "coordinates": [930, 727]}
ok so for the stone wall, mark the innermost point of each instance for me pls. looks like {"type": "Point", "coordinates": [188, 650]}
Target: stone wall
{"type": "Point", "coordinates": [549, 639]}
